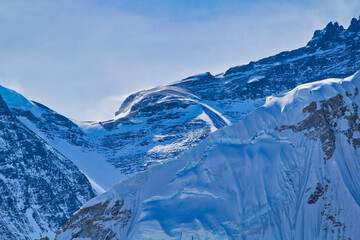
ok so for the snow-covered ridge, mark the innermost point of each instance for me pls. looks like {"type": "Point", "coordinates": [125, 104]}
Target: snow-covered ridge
{"type": "Point", "coordinates": [14, 99]}
{"type": "Point", "coordinates": [314, 91]}
{"type": "Point", "coordinates": [269, 176]}
{"type": "Point", "coordinates": [171, 93]}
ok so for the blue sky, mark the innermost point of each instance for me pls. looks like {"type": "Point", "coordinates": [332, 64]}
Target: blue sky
{"type": "Point", "coordinates": [82, 58]}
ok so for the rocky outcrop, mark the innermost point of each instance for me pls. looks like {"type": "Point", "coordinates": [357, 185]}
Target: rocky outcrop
{"type": "Point", "coordinates": [320, 190]}
{"type": "Point", "coordinates": [91, 222]}
{"type": "Point", "coordinates": [322, 123]}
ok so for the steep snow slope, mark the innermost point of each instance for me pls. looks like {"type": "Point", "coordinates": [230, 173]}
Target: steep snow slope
{"type": "Point", "coordinates": [288, 170]}
{"type": "Point", "coordinates": [39, 188]}
{"type": "Point", "coordinates": [158, 124]}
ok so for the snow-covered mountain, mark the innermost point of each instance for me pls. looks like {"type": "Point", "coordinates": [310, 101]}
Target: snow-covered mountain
{"type": "Point", "coordinates": [288, 170]}
{"type": "Point", "coordinates": [154, 126]}
{"type": "Point", "coordinates": [158, 124]}
{"type": "Point", "coordinates": [39, 188]}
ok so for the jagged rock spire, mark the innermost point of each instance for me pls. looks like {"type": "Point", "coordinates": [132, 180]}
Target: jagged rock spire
{"type": "Point", "coordinates": [334, 33]}
{"type": "Point", "coordinates": [331, 31]}
{"type": "Point", "coordinates": [354, 25]}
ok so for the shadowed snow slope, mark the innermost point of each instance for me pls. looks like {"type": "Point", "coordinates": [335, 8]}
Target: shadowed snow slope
{"type": "Point", "coordinates": [288, 170]}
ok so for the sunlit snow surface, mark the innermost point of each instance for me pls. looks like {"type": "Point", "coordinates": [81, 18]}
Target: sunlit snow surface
{"type": "Point", "coordinates": [263, 177]}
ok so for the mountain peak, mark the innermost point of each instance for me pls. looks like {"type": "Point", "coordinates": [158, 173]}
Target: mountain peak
{"type": "Point", "coordinates": [330, 27]}
{"type": "Point", "coordinates": [333, 32]}
{"type": "Point", "coordinates": [354, 25]}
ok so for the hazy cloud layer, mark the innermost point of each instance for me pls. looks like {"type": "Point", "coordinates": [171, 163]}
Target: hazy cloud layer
{"type": "Point", "coordinates": [81, 58]}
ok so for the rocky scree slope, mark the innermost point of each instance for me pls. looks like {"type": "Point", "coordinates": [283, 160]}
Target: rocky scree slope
{"type": "Point", "coordinates": [39, 188]}
{"type": "Point", "coordinates": [288, 170]}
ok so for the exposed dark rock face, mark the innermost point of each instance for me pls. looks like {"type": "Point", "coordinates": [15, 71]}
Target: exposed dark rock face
{"type": "Point", "coordinates": [320, 190]}
{"type": "Point", "coordinates": [321, 123]}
